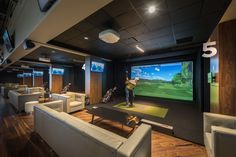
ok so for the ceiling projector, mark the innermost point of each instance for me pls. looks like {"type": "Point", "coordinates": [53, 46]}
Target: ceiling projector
{"type": "Point", "coordinates": [109, 36]}
{"type": "Point", "coordinates": [44, 59]}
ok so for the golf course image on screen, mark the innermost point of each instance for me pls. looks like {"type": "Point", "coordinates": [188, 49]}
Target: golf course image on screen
{"type": "Point", "coordinates": [170, 80]}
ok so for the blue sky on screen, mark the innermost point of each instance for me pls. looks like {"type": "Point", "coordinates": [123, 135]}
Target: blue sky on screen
{"type": "Point", "coordinates": [156, 71]}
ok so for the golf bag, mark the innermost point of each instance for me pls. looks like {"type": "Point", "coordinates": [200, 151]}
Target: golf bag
{"type": "Point", "coordinates": [107, 97]}
{"type": "Point", "coordinates": [87, 100]}
{"type": "Point", "coordinates": [66, 88]}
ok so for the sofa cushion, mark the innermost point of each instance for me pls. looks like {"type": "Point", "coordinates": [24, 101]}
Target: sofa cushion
{"type": "Point", "coordinates": [71, 96]}
{"type": "Point", "coordinates": [208, 141]}
{"type": "Point", "coordinates": [79, 97]}
{"type": "Point", "coordinates": [75, 103]}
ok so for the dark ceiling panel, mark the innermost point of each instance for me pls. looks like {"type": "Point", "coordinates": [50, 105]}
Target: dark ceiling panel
{"type": "Point", "coordinates": [158, 22]}
{"type": "Point", "coordinates": [211, 6]}
{"type": "Point", "coordinates": [124, 34]}
{"type": "Point", "coordinates": [186, 13]}
{"type": "Point", "coordinates": [185, 34]}
{"type": "Point", "coordinates": [183, 20]}
{"type": "Point", "coordinates": [84, 26]}
{"type": "Point", "coordinates": [174, 5]}
{"type": "Point", "coordinates": [186, 25]}
{"type": "Point", "coordinates": [138, 29]}
{"type": "Point", "coordinates": [99, 18]}
{"type": "Point", "coordinates": [128, 19]}
{"type": "Point", "coordinates": [67, 35]}
{"type": "Point", "coordinates": [118, 7]}
{"type": "Point", "coordinates": [129, 41]}
{"type": "Point", "coordinates": [206, 26]}
{"type": "Point", "coordinates": [167, 31]}
{"type": "Point", "coordinates": [151, 44]}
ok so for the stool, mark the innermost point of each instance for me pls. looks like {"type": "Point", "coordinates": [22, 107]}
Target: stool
{"type": "Point", "coordinates": [29, 106]}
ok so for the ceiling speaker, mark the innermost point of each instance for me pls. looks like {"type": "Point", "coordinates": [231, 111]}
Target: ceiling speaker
{"type": "Point", "coordinates": [109, 36]}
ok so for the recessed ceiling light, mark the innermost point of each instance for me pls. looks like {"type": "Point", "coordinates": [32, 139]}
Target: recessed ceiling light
{"type": "Point", "coordinates": [86, 38]}
{"type": "Point", "coordinates": [139, 48]}
{"type": "Point", "coordinates": [152, 9]}
{"type": "Point", "coordinates": [53, 51]}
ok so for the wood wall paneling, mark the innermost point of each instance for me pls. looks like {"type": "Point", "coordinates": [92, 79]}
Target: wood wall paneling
{"type": "Point", "coordinates": [93, 83]}
{"type": "Point", "coordinates": [57, 83]}
{"type": "Point", "coordinates": [95, 87]}
{"type": "Point", "coordinates": [28, 81]}
{"type": "Point", "coordinates": [21, 81]}
{"type": "Point", "coordinates": [38, 81]}
{"type": "Point", "coordinates": [227, 56]}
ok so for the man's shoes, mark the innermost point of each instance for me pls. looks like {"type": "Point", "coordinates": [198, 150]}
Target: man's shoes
{"type": "Point", "coordinates": [129, 105]}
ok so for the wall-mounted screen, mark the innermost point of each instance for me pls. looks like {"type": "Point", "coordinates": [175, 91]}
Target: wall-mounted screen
{"type": "Point", "coordinates": [20, 75]}
{"type": "Point", "coordinates": [57, 71]}
{"type": "Point", "coordinates": [97, 66]}
{"type": "Point", "coordinates": [27, 74]}
{"type": "Point", "coordinates": [170, 81]}
{"type": "Point", "coordinates": [7, 41]}
{"type": "Point", "coordinates": [44, 5]}
{"type": "Point", "coordinates": [38, 73]}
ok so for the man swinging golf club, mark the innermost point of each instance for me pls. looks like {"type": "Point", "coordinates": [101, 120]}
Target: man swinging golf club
{"type": "Point", "coordinates": [129, 90]}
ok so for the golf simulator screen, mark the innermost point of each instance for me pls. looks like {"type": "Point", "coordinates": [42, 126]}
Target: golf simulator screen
{"type": "Point", "coordinates": [170, 80]}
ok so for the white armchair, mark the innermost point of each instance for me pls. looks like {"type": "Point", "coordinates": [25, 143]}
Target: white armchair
{"type": "Point", "coordinates": [71, 101]}
{"type": "Point", "coordinates": [220, 135]}
{"type": "Point", "coordinates": [11, 86]}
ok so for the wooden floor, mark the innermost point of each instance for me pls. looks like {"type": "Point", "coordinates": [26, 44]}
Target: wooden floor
{"type": "Point", "coordinates": [17, 138]}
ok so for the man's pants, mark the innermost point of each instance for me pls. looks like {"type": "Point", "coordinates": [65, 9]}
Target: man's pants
{"type": "Point", "coordinates": [129, 96]}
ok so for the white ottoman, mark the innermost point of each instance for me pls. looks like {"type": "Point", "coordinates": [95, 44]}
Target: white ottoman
{"type": "Point", "coordinates": [29, 106]}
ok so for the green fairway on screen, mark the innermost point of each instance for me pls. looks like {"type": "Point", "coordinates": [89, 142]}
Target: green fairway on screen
{"type": "Point", "coordinates": [171, 80]}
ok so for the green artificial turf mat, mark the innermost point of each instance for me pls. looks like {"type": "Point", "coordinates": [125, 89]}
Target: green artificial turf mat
{"type": "Point", "coordinates": [144, 109]}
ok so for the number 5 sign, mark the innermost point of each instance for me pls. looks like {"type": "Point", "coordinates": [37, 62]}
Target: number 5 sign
{"type": "Point", "coordinates": [208, 47]}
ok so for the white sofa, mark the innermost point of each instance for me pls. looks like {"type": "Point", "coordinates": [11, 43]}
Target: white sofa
{"type": "Point", "coordinates": [69, 136]}
{"type": "Point", "coordinates": [11, 86]}
{"type": "Point", "coordinates": [71, 101]}
{"type": "Point", "coordinates": [19, 98]}
{"type": "Point", "coordinates": [220, 135]}
{"type": "Point", "coordinates": [35, 89]}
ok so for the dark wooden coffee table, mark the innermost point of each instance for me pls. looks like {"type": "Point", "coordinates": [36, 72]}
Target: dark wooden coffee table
{"type": "Point", "coordinates": [114, 115]}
